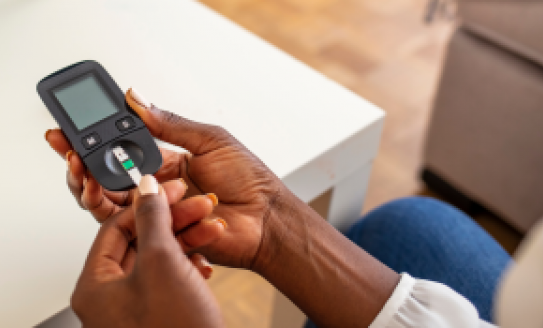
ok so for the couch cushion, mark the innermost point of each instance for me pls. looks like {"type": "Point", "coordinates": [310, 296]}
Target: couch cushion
{"type": "Point", "coordinates": [486, 129]}
{"type": "Point", "coordinates": [513, 24]}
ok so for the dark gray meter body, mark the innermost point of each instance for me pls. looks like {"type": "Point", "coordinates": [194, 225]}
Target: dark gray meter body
{"type": "Point", "coordinates": [93, 114]}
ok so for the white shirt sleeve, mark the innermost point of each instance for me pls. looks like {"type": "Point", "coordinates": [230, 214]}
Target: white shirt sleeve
{"type": "Point", "coordinates": [426, 304]}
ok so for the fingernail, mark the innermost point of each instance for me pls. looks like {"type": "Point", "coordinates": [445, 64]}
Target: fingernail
{"type": "Point", "coordinates": [223, 222]}
{"type": "Point", "coordinates": [206, 267]}
{"type": "Point", "coordinates": [139, 99]}
{"type": "Point", "coordinates": [207, 272]}
{"type": "Point", "coordinates": [213, 198]}
{"type": "Point", "coordinates": [148, 185]}
{"type": "Point", "coordinates": [69, 157]}
{"type": "Point", "coordinates": [212, 220]}
{"type": "Point", "coordinates": [204, 262]}
{"type": "Point", "coordinates": [184, 183]}
{"type": "Point", "coordinates": [85, 181]}
{"type": "Point", "coordinates": [47, 133]}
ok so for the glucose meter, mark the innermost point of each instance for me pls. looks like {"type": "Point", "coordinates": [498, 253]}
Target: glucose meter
{"type": "Point", "coordinates": [107, 134]}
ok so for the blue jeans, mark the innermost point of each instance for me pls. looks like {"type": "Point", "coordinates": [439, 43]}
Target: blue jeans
{"type": "Point", "coordinates": [434, 241]}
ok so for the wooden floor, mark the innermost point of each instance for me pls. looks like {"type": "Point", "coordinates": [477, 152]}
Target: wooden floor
{"type": "Point", "coordinates": [383, 51]}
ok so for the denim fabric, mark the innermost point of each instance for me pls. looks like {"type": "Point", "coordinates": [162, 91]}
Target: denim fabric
{"type": "Point", "coordinates": [434, 241]}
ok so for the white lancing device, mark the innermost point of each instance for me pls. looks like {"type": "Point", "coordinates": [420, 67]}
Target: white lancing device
{"type": "Point", "coordinates": [127, 163]}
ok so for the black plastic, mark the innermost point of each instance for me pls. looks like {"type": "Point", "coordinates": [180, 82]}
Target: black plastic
{"type": "Point", "coordinates": [125, 124]}
{"type": "Point", "coordinates": [137, 138]}
{"type": "Point", "coordinates": [91, 141]}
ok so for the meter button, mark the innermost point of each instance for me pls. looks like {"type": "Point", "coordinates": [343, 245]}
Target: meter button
{"type": "Point", "coordinates": [126, 123]}
{"type": "Point", "coordinates": [91, 140]}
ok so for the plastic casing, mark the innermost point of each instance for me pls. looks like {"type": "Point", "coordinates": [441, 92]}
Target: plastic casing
{"type": "Point", "coordinates": [98, 160]}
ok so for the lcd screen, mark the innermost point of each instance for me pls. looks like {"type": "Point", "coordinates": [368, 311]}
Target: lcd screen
{"type": "Point", "coordinates": [85, 101]}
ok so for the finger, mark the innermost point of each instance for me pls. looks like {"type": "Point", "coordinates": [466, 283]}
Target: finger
{"type": "Point", "coordinates": [195, 226]}
{"type": "Point", "coordinates": [94, 200]}
{"type": "Point", "coordinates": [175, 165]}
{"type": "Point", "coordinates": [153, 218]}
{"type": "Point", "coordinates": [175, 190]}
{"type": "Point", "coordinates": [201, 234]}
{"type": "Point", "coordinates": [196, 137]}
{"type": "Point", "coordinates": [60, 144]}
{"type": "Point", "coordinates": [76, 175]}
{"type": "Point", "coordinates": [57, 141]}
{"type": "Point", "coordinates": [201, 263]}
{"type": "Point", "coordinates": [107, 252]}
{"type": "Point", "coordinates": [121, 198]}
{"type": "Point", "coordinates": [77, 179]}
{"type": "Point", "coordinates": [129, 260]}
{"type": "Point", "coordinates": [191, 211]}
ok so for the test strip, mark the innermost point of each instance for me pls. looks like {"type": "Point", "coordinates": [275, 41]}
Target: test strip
{"type": "Point", "coordinates": [128, 164]}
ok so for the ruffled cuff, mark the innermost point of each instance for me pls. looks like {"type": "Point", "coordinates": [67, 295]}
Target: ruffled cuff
{"type": "Point", "coordinates": [422, 303]}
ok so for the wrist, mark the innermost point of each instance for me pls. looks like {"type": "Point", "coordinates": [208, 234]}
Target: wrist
{"type": "Point", "coordinates": [314, 265]}
{"type": "Point", "coordinates": [284, 228]}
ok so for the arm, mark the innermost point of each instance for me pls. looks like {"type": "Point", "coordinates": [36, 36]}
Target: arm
{"type": "Point", "coordinates": [268, 229]}
{"type": "Point", "coordinates": [336, 283]}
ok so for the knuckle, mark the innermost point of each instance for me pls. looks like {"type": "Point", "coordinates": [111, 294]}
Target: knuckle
{"type": "Point", "coordinates": [83, 202]}
{"type": "Point", "coordinates": [171, 118]}
{"type": "Point", "coordinates": [219, 134]}
{"type": "Point", "coordinates": [80, 203]}
{"type": "Point", "coordinates": [219, 131]}
{"type": "Point", "coordinates": [156, 253]}
{"type": "Point", "coordinates": [73, 188]}
{"type": "Point", "coordinates": [148, 209]}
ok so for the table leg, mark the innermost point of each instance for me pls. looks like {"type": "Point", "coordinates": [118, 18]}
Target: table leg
{"type": "Point", "coordinates": [344, 207]}
{"type": "Point", "coordinates": [348, 197]}
{"type": "Point", "coordinates": [64, 319]}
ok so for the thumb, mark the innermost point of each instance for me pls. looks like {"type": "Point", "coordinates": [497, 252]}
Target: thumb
{"type": "Point", "coordinates": [197, 138]}
{"type": "Point", "coordinates": [153, 217]}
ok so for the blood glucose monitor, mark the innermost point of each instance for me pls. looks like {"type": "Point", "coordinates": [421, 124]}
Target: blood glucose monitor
{"type": "Point", "coordinates": [107, 134]}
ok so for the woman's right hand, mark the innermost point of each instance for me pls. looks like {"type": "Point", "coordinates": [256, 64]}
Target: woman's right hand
{"type": "Point", "coordinates": [157, 286]}
{"type": "Point", "coordinates": [248, 192]}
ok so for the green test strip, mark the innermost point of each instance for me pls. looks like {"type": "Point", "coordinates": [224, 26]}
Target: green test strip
{"type": "Point", "coordinates": [127, 164]}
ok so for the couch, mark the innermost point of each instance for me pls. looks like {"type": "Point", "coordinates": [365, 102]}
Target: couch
{"type": "Point", "coordinates": [485, 137]}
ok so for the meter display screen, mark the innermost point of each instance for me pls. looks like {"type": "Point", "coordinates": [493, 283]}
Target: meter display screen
{"type": "Point", "coordinates": [85, 101]}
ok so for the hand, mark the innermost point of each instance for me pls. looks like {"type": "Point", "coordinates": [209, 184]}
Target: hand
{"type": "Point", "coordinates": [104, 204]}
{"type": "Point", "coordinates": [248, 191]}
{"type": "Point", "coordinates": [157, 286]}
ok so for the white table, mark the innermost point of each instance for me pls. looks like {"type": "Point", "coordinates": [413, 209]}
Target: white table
{"type": "Point", "coordinates": [311, 132]}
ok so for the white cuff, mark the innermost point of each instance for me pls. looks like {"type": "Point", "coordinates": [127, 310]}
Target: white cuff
{"type": "Point", "coordinates": [422, 303]}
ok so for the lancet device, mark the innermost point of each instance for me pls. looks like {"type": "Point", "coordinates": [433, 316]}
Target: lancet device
{"type": "Point", "coordinates": [107, 134]}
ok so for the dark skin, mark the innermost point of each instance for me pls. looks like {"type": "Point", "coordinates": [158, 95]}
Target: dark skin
{"type": "Point", "coordinates": [121, 288]}
{"type": "Point", "coordinates": [269, 230]}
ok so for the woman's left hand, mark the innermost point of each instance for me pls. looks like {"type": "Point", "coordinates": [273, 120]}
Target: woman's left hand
{"type": "Point", "coordinates": [103, 204]}
{"type": "Point", "coordinates": [100, 202]}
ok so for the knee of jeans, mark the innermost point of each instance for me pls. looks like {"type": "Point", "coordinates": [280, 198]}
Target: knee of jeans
{"type": "Point", "coordinates": [404, 216]}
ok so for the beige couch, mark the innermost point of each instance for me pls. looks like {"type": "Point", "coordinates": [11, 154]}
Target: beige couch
{"type": "Point", "coordinates": [485, 137]}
